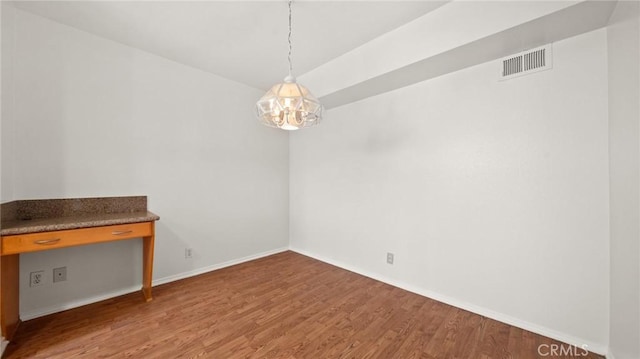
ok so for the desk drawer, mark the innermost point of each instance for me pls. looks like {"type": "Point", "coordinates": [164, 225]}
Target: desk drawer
{"type": "Point", "coordinates": [33, 242]}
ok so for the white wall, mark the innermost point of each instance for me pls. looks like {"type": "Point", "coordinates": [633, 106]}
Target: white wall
{"type": "Point", "coordinates": [6, 106]}
{"type": "Point", "coordinates": [6, 111]}
{"type": "Point", "coordinates": [96, 118]}
{"type": "Point", "coordinates": [492, 195]}
{"type": "Point", "coordinates": [623, 37]}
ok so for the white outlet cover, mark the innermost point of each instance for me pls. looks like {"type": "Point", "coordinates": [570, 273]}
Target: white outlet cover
{"type": "Point", "coordinates": [36, 279]}
{"type": "Point", "coordinates": [59, 274]}
{"type": "Point", "coordinates": [390, 258]}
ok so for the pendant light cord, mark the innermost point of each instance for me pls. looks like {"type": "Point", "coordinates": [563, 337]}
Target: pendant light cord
{"type": "Point", "coordinates": [289, 38]}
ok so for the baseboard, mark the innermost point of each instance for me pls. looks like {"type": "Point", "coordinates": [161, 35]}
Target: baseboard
{"type": "Point", "coordinates": [535, 328]}
{"type": "Point", "coordinates": [78, 303]}
{"type": "Point", "coordinates": [3, 346]}
{"type": "Point", "coordinates": [594, 347]}
{"type": "Point", "coordinates": [207, 269]}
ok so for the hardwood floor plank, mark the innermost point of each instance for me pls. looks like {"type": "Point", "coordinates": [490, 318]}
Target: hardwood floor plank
{"type": "Point", "coordinates": [283, 306]}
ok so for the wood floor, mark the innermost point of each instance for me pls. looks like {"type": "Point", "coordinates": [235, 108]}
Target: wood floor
{"type": "Point", "coordinates": [283, 306]}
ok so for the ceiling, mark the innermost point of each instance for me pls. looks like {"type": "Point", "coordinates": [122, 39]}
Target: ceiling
{"type": "Point", "coordinates": [245, 41]}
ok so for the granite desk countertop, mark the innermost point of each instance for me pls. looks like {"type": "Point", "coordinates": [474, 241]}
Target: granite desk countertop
{"type": "Point", "coordinates": [33, 216]}
{"type": "Point", "coordinates": [74, 222]}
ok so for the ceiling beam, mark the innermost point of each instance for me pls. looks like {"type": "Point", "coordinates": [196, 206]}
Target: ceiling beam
{"type": "Point", "coordinates": [460, 44]}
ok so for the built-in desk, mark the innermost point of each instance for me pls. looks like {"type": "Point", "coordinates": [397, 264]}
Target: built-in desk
{"type": "Point", "coordinates": [38, 225]}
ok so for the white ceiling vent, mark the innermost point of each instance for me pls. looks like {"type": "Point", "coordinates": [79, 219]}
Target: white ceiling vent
{"type": "Point", "coordinates": [527, 62]}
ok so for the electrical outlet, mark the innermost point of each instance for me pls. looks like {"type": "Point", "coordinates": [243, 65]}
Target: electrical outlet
{"type": "Point", "coordinates": [389, 258]}
{"type": "Point", "coordinates": [36, 279]}
{"type": "Point", "coordinates": [59, 274]}
{"type": "Point", "coordinates": [188, 253]}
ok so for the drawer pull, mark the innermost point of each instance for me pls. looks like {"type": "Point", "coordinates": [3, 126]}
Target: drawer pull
{"type": "Point", "coordinates": [45, 242]}
{"type": "Point", "coordinates": [119, 233]}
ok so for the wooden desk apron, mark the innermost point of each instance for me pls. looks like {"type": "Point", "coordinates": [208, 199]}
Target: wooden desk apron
{"type": "Point", "coordinates": [22, 243]}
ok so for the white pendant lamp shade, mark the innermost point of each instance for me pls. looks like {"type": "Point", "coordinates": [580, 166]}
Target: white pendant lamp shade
{"type": "Point", "coordinates": [289, 106]}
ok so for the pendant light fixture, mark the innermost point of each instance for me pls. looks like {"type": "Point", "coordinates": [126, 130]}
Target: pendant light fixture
{"type": "Point", "coordinates": [289, 105]}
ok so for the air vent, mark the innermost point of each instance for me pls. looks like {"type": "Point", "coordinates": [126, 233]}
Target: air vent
{"type": "Point", "coordinates": [527, 62]}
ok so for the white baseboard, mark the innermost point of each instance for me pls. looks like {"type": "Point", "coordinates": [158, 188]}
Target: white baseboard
{"type": "Point", "coordinates": [207, 269]}
{"type": "Point", "coordinates": [78, 303]}
{"type": "Point", "coordinates": [594, 347]}
{"type": "Point", "coordinates": [3, 345]}
{"type": "Point", "coordinates": [535, 328]}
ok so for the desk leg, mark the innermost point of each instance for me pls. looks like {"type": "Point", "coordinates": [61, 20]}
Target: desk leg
{"type": "Point", "coordinates": [147, 265]}
{"type": "Point", "coordinates": [10, 295]}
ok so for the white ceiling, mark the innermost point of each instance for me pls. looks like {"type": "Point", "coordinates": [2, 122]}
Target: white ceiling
{"type": "Point", "coordinates": [239, 40]}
